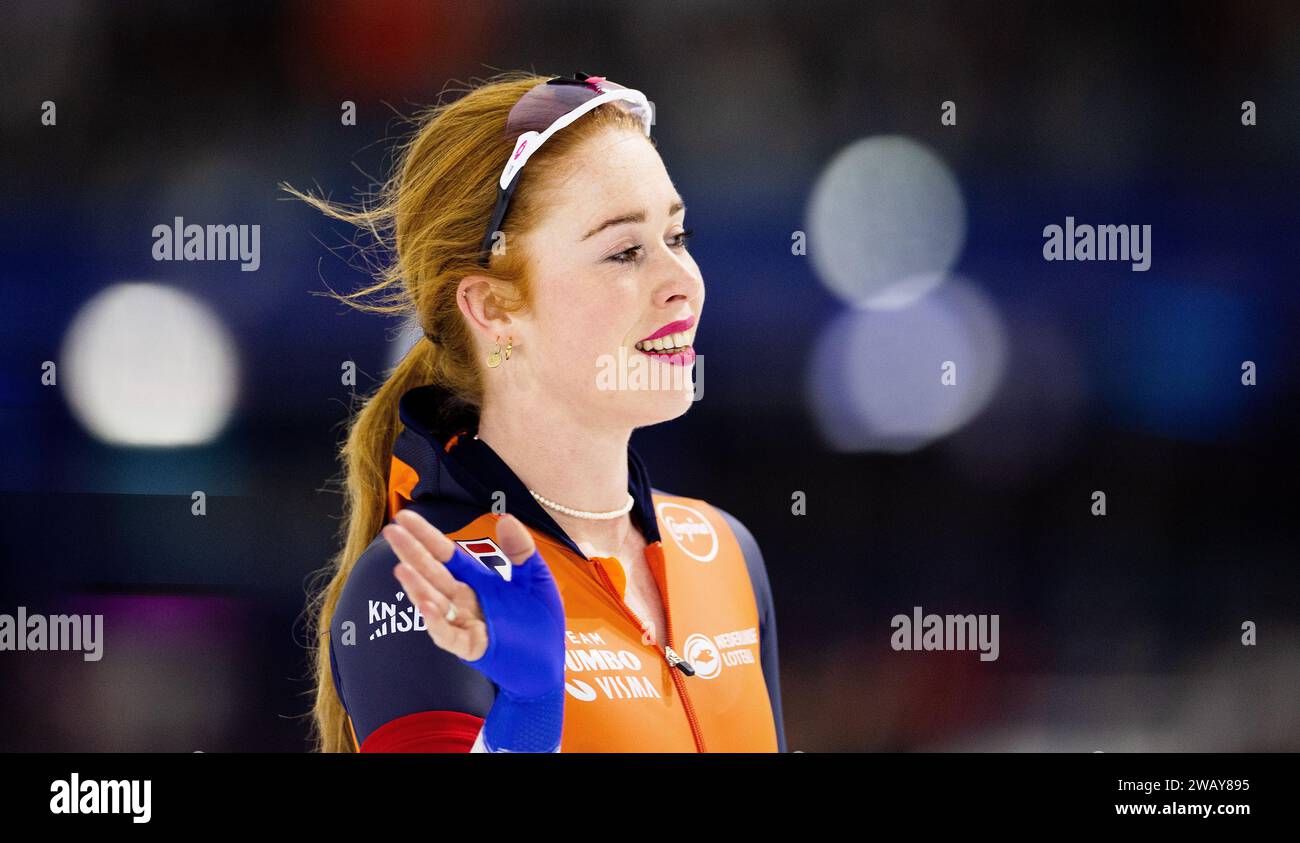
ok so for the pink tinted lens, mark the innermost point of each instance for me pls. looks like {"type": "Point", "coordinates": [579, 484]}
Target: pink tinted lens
{"type": "Point", "coordinates": [546, 103]}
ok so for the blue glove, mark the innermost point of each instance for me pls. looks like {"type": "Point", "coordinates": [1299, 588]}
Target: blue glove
{"type": "Point", "coordinates": [525, 652]}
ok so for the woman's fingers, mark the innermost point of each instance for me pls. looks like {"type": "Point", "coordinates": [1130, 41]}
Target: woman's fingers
{"type": "Point", "coordinates": [419, 555]}
{"type": "Point", "coordinates": [514, 539]}
{"type": "Point", "coordinates": [430, 536]}
{"type": "Point", "coordinates": [433, 589]}
{"type": "Point", "coordinates": [420, 591]}
{"type": "Point", "coordinates": [433, 606]}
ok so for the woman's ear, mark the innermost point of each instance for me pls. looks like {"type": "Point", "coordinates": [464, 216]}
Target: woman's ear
{"type": "Point", "coordinates": [476, 297]}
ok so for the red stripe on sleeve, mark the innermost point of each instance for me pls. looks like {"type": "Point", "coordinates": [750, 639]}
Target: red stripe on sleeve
{"type": "Point", "coordinates": [426, 731]}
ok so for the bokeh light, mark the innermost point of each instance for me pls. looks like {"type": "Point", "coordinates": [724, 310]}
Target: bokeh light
{"type": "Point", "coordinates": [1031, 425]}
{"type": "Point", "coordinates": [886, 222]}
{"type": "Point", "coordinates": [148, 365]}
{"type": "Point", "coordinates": [876, 378]}
{"type": "Point", "coordinates": [1172, 355]}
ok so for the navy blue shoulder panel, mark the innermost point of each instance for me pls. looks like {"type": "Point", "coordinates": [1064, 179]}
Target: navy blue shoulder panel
{"type": "Point", "coordinates": [766, 618]}
{"type": "Point", "coordinates": [385, 664]}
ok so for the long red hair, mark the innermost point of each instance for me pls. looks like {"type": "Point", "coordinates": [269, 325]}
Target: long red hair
{"type": "Point", "coordinates": [430, 216]}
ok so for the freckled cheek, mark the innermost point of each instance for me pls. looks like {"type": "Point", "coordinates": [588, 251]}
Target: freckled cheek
{"type": "Point", "coordinates": [610, 318]}
{"type": "Point", "coordinates": [590, 331]}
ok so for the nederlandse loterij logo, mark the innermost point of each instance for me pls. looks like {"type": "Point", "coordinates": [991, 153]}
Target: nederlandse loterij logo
{"type": "Point", "coordinates": [691, 531]}
{"type": "Point", "coordinates": [708, 654]}
{"type": "Point", "coordinates": [703, 655]}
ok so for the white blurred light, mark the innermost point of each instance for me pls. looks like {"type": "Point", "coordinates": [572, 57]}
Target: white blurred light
{"type": "Point", "coordinates": [886, 222]}
{"type": "Point", "coordinates": [146, 364]}
{"type": "Point", "coordinates": [875, 382]}
{"type": "Point", "coordinates": [1033, 420]}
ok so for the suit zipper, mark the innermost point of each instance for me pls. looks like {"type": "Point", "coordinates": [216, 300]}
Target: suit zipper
{"type": "Point", "coordinates": [669, 654]}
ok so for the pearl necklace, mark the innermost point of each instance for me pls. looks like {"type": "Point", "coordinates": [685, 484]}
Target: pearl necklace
{"type": "Point", "coordinates": [579, 513]}
{"type": "Point", "coordinates": [582, 513]}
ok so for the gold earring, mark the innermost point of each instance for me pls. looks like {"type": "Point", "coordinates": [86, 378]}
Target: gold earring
{"type": "Point", "coordinates": [494, 356]}
{"type": "Point", "coordinates": [510, 343]}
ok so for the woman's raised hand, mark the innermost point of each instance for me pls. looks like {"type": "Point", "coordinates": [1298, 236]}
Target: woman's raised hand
{"type": "Point", "coordinates": [422, 571]}
{"type": "Point", "coordinates": [510, 630]}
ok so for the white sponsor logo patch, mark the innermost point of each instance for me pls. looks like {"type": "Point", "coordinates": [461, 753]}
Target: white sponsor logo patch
{"type": "Point", "coordinates": [692, 532]}
{"type": "Point", "coordinates": [709, 654]}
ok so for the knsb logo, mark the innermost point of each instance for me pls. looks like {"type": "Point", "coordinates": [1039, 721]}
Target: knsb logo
{"type": "Point", "coordinates": [703, 655]}
{"type": "Point", "coordinates": [487, 552]}
{"type": "Point", "coordinates": [690, 530]}
{"type": "Point", "coordinates": [393, 619]}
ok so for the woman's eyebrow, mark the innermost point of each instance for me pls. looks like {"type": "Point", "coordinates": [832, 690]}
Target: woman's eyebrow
{"type": "Point", "coordinates": [634, 216]}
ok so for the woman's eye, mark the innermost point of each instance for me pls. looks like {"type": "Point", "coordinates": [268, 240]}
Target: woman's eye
{"type": "Point", "coordinates": [633, 253]}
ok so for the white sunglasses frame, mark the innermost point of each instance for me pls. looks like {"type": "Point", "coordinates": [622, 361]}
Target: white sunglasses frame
{"type": "Point", "coordinates": [525, 145]}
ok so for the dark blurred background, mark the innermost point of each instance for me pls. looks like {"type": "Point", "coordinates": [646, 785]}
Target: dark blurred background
{"type": "Point", "coordinates": [925, 245]}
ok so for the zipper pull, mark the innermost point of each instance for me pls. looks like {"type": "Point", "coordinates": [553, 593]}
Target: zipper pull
{"type": "Point", "coordinates": [677, 661]}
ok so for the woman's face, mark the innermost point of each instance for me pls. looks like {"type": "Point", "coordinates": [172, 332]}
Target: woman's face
{"type": "Point", "coordinates": [611, 269]}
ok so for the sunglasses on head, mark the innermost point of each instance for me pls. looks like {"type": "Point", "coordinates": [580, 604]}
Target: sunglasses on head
{"type": "Point", "coordinates": [542, 112]}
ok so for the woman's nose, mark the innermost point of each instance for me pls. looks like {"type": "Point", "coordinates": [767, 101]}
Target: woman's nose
{"type": "Point", "coordinates": [680, 278]}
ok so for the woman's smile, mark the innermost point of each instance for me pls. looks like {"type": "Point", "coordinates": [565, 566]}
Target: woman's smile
{"type": "Point", "coordinates": [672, 343]}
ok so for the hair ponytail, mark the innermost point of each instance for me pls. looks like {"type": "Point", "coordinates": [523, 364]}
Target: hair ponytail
{"type": "Point", "coordinates": [365, 459]}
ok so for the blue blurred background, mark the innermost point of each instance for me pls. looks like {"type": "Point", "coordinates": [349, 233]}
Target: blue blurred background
{"type": "Point", "coordinates": [818, 123]}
